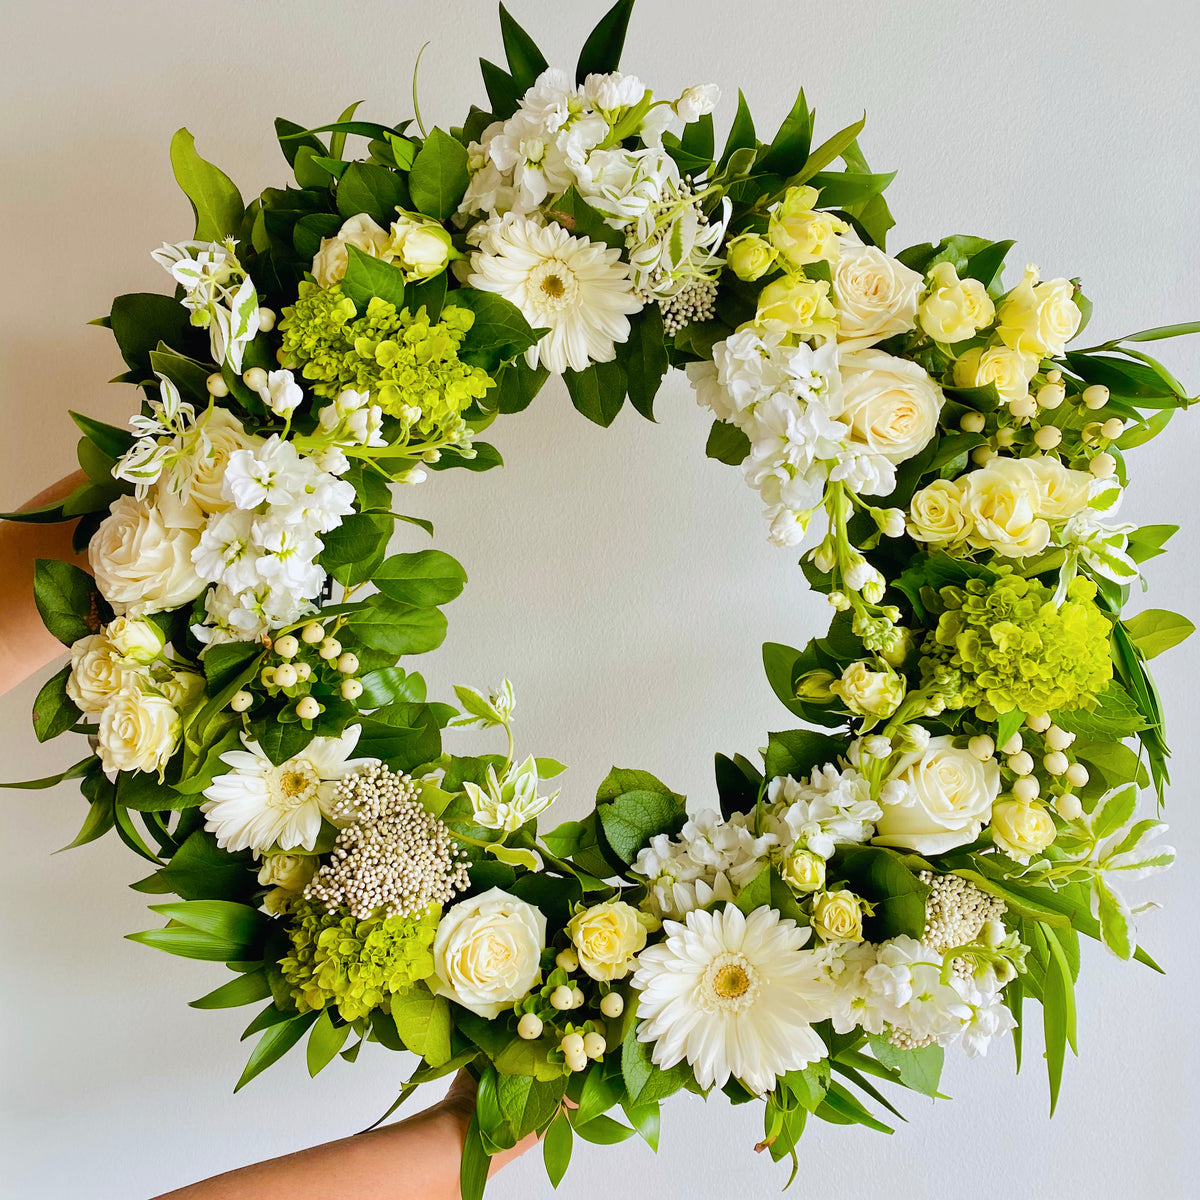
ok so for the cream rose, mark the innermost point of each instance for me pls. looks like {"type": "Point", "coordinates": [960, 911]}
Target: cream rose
{"type": "Point", "coordinates": [1009, 371]}
{"type": "Point", "coordinates": [142, 559]}
{"type": "Point", "coordinates": [1003, 502]}
{"type": "Point", "coordinates": [801, 234]}
{"type": "Point", "coordinates": [98, 673]}
{"type": "Point", "coordinates": [954, 309]}
{"type": "Point", "coordinates": [1061, 492]}
{"type": "Point", "coordinates": [749, 256]}
{"type": "Point", "coordinates": [487, 950]}
{"type": "Point", "coordinates": [135, 639]}
{"type": "Point", "coordinates": [361, 232]}
{"type": "Point", "coordinates": [799, 305]}
{"type": "Point", "coordinates": [289, 871]}
{"type": "Point", "coordinates": [890, 404]}
{"type": "Point", "coordinates": [182, 688]}
{"type": "Point", "coordinates": [608, 937]}
{"type": "Point", "coordinates": [838, 916]}
{"type": "Point", "coordinates": [222, 434]}
{"type": "Point", "coordinates": [1022, 829]}
{"type": "Point", "coordinates": [943, 799]}
{"type": "Point", "coordinates": [935, 514]}
{"type": "Point", "coordinates": [869, 693]}
{"type": "Point", "coordinates": [1039, 318]}
{"type": "Point", "coordinates": [803, 871]}
{"type": "Point", "coordinates": [875, 295]}
{"type": "Point", "coordinates": [138, 732]}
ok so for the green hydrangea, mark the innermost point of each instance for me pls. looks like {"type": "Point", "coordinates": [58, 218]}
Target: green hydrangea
{"type": "Point", "coordinates": [1004, 645]}
{"type": "Point", "coordinates": [408, 364]}
{"type": "Point", "coordinates": [356, 965]}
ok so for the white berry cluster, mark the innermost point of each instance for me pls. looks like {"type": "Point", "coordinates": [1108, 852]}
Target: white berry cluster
{"type": "Point", "coordinates": [956, 911]}
{"type": "Point", "coordinates": [393, 856]}
{"type": "Point", "coordinates": [693, 304]}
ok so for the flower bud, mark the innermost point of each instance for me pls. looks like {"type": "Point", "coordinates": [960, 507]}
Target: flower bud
{"type": "Point", "coordinates": [890, 521]}
{"type": "Point", "coordinates": [529, 1027]}
{"type": "Point", "coordinates": [803, 871]}
{"type": "Point", "coordinates": [814, 685]}
{"type": "Point", "coordinates": [1022, 829]}
{"type": "Point", "coordinates": [839, 601]}
{"type": "Point", "coordinates": [992, 933]}
{"type": "Point", "coordinates": [749, 256]}
{"type": "Point", "coordinates": [837, 916]}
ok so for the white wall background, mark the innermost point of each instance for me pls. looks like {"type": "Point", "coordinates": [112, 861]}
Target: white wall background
{"type": "Point", "coordinates": [619, 578]}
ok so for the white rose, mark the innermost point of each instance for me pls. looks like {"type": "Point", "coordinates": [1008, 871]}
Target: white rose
{"type": "Point", "coordinates": [98, 673]}
{"type": "Point", "coordinates": [138, 732]}
{"type": "Point", "coordinates": [487, 952]}
{"type": "Point", "coordinates": [936, 515]}
{"type": "Point", "coordinates": [875, 295]}
{"type": "Point", "coordinates": [222, 434]}
{"type": "Point", "coordinates": [608, 937]}
{"type": "Point", "coordinates": [803, 871]}
{"type": "Point", "coordinates": [133, 638]}
{"type": "Point", "coordinates": [1008, 370]}
{"type": "Point", "coordinates": [420, 245]}
{"type": "Point", "coordinates": [289, 871]}
{"type": "Point", "coordinates": [943, 799]}
{"type": "Point", "coordinates": [890, 404]}
{"type": "Point", "coordinates": [143, 564]}
{"type": "Point", "coordinates": [954, 309]}
{"type": "Point", "coordinates": [1061, 492]}
{"type": "Point", "coordinates": [361, 232]}
{"type": "Point", "coordinates": [1039, 318]}
{"type": "Point", "coordinates": [1003, 501]}
{"type": "Point", "coordinates": [869, 693]}
{"type": "Point", "coordinates": [838, 916]}
{"type": "Point", "coordinates": [1021, 828]}
{"type": "Point", "coordinates": [182, 688]}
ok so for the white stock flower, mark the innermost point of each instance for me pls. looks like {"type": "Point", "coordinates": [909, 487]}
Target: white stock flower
{"type": "Point", "coordinates": [487, 952]}
{"type": "Point", "coordinates": [509, 802]}
{"type": "Point", "coordinates": [141, 556]}
{"type": "Point", "coordinates": [138, 731]}
{"type": "Point", "coordinates": [577, 289]}
{"type": "Point", "coordinates": [259, 805]}
{"type": "Point", "coordinates": [875, 296]}
{"type": "Point", "coordinates": [697, 101]}
{"type": "Point", "coordinates": [733, 995]}
{"type": "Point", "coordinates": [281, 393]}
{"type": "Point", "coordinates": [831, 808]}
{"type": "Point", "coordinates": [941, 799]}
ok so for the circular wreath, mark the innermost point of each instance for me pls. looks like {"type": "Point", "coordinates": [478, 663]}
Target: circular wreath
{"type": "Point", "coordinates": [897, 877]}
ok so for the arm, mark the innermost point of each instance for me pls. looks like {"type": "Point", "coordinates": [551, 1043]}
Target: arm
{"type": "Point", "coordinates": [25, 644]}
{"type": "Point", "coordinates": [417, 1159]}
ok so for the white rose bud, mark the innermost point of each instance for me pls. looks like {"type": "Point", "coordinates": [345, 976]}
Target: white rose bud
{"type": "Point", "coordinates": [607, 937]}
{"type": "Point", "coordinates": [1009, 371]}
{"type": "Point", "coordinates": [869, 693]}
{"type": "Point", "coordinates": [936, 514]}
{"type": "Point", "coordinates": [487, 952]}
{"type": "Point", "coordinates": [288, 871]}
{"type": "Point", "coordinates": [954, 309]}
{"type": "Point", "coordinates": [98, 674]}
{"type": "Point", "coordinates": [361, 232]}
{"type": "Point", "coordinates": [137, 733]}
{"type": "Point", "coordinates": [1039, 318]}
{"type": "Point", "coordinates": [137, 640]}
{"type": "Point", "coordinates": [838, 916]}
{"type": "Point", "coordinates": [803, 871]}
{"type": "Point", "coordinates": [1022, 828]}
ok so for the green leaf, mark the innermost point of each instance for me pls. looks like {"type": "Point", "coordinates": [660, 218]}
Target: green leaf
{"type": "Point", "coordinates": [54, 712]}
{"type": "Point", "coordinates": [473, 1169]}
{"type": "Point", "coordinates": [1116, 717]}
{"type": "Point", "coordinates": [354, 550]}
{"type": "Point", "coordinates": [215, 200]}
{"type": "Point", "coordinates": [525, 61]}
{"type": "Point", "coordinates": [324, 1042]}
{"type": "Point", "coordinates": [526, 1103]}
{"type": "Point", "coordinates": [111, 440]}
{"type": "Point", "coordinates": [100, 819]}
{"type": "Point", "coordinates": [756, 893]}
{"type": "Point", "coordinates": [66, 598]}
{"type": "Point", "coordinates": [517, 383]}
{"type": "Point", "coordinates": [292, 136]}
{"type": "Point", "coordinates": [645, 1082]}
{"type": "Point", "coordinates": [1157, 629]}
{"type": "Point", "coordinates": [796, 752]}
{"type": "Point", "coordinates": [77, 771]}
{"type": "Point", "coordinates": [426, 578]}
{"type": "Point", "coordinates": [599, 392]}
{"type": "Point", "coordinates": [646, 362]}
{"type": "Point", "coordinates": [241, 989]}
{"type": "Point", "coordinates": [828, 151]}
{"type": "Point", "coordinates": [389, 685]}
{"type": "Point", "coordinates": [580, 219]}
{"type": "Point", "coordinates": [274, 1044]}
{"type": "Point", "coordinates": [383, 624]}
{"type": "Point", "coordinates": [376, 191]}
{"type": "Point", "coordinates": [880, 875]}
{"type": "Point", "coordinates": [191, 943]}
{"type": "Point", "coordinates": [237, 923]}
{"type": "Point", "coordinates": [501, 91]}
{"type": "Point", "coordinates": [741, 133]}
{"type": "Point", "coordinates": [439, 175]}
{"type": "Point", "coordinates": [367, 277]}
{"type": "Point", "coordinates": [789, 148]}
{"type": "Point", "coordinates": [140, 321]}
{"type": "Point", "coordinates": [634, 817]}
{"type": "Point", "coordinates": [603, 1131]}
{"type": "Point", "coordinates": [849, 188]}
{"type": "Point", "coordinates": [201, 870]}
{"type": "Point", "coordinates": [499, 333]}
{"type": "Point", "coordinates": [919, 1069]}
{"type": "Point", "coordinates": [727, 443]}
{"type": "Point", "coordinates": [601, 52]}
{"type": "Point", "coordinates": [556, 1149]}
{"type": "Point", "coordinates": [1113, 812]}
{"type": "Point", "coordinates": [423, 1023]}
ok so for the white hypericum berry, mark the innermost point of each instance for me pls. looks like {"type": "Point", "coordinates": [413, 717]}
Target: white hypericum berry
{"type": "Point", "coordinates": [529, 1027]}
{"type": "Point", "coordinates": [1068, 806]}
{"type": "Point", "coordinates": [572, 1043]}
{"type": "Point", "coordinates": [266, 319]}
{"type": "Point", "coordinates": [1103, 465]}
{"type": "Point", "coordinates": [1056, 763]}
{"type": "Point", "coordinates": [1112, 428]}
{"type": "Point", "coordinates": [255, 378]}
{"type": "Point", "coordinates": [330, 649]}
{"type": "Point", "coordinates": [241, 701]}
{"type": "Point", "coordinates": [312, 633]}
{"type": "Point", "coordinates": [308, 709]}
{"type": "Point", "coordinates": [1058, 739]}
{"type": "Point", "coordinates": [982, 747]}
{"type": "Point", "coordinates": [1047, 437]}
{"type": "Point", "coordinates": [285, 675]}
{"type": "Point", "coordinates": [1013, 745]}
{"type": "Point", "coordinates": [567, 959]}
{"type": "Point", "coordinates": [1020, 763]}
{"type": "Point", "coordinates": [593, 1046]}
{"type": "Point", "coordinates": [972, 422]}
{"type": "Point", "coordinates": [216, 386]}
{"type": "Point", "coordinates": [612, 1005]}
{"type": "Point", "coordinates": [1077, 775]}
{"type": "Point", "coordinates": [347, 663]}
{"type": "Point", "coordinates": [351, 689]}
{"type": "Point", "coordinates": [1052, 395]}
{"type": "Point", "coordinates": [1095, 396]}
{"type": "Point", "coordinates": [560, 998]}
{"type": "Point", "coordinates": [577, 998]}
{"type": "Point", "coordinates": [286, 646]}
{"type": "Point", "coordinates": [1039, 722]}
{"type": "Point", "coordinates": [1026, 789]}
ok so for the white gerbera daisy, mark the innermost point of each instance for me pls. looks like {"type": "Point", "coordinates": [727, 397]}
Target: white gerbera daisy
{"type": "Point", "coordinates": [734, 995]}
{"type": "Point", "coordinates": [260, 805]}
{"type": "Point", "coordinates": [577, 289]}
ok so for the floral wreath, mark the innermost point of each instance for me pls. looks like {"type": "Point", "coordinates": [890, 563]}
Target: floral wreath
{"type": "Point", "coordinates": [899, 876]}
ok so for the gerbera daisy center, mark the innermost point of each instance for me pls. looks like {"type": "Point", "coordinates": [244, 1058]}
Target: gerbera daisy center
{"type": "Point", "coordinates": [553, 284]}
{"type": "Point", "coordinates": [296, 785]}
{"type": "Point", "coordinates": [730, 984]}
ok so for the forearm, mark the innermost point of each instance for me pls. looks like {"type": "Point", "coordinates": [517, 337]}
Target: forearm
{"type": "Point", "coordinates": [25, 644]}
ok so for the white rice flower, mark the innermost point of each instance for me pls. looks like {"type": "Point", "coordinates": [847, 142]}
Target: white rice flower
{"type": "Point", "coordinates": [259, 805]}
{"type": "Point", "coordinates": [577, 289]}
{"type": "Point", "coordinates": [733, 995]}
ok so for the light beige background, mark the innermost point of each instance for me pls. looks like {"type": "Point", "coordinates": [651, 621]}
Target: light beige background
{"type": "Point", "coordinates": [619, 578]}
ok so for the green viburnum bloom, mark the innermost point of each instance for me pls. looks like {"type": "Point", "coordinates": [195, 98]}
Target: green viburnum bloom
{"type": "Point", "coordinates": [1004, 645]}
{"type": "Point", "coordinates": [408, 364]}
{"type": "Point", "coordinates": [356, 965]}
